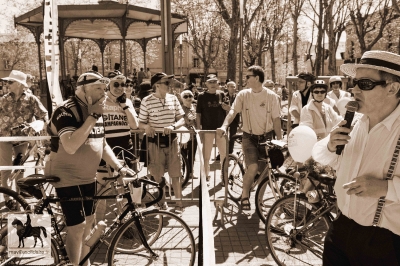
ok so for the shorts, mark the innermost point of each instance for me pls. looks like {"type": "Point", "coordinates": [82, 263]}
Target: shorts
{"type": "Point", "coordinates": [164, 159]}
{"type": "Point", "coordinates": [76, 211]}
{"type": "Point", "coordinates": [251, 149]}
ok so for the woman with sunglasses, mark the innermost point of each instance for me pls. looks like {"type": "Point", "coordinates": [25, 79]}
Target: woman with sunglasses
{"type": "Point", "coordinates": [119, 114]}
{"type": "Point", "coordinates": [317, 114]}
{"type": "Point", "coordinates": [189, 149]}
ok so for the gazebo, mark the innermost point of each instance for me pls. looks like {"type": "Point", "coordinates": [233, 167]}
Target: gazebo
{"type": "Point", "coordinates": [104, 23]}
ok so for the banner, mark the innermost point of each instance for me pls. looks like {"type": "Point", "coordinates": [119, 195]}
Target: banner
{"type": "Point", "coordinates": [51, 51]}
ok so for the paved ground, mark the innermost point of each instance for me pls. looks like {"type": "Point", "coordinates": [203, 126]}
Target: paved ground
{"type": "Point", "coordinates": [239, 238]}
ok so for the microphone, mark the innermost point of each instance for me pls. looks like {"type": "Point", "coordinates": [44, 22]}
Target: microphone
{"type": "Point", "coordinates": [351, 106]}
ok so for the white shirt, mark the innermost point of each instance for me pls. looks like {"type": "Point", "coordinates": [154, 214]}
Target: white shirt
{"type": "Point", "coordinates": [367, 153]}
{"type": "Point", "coordinates": [342, 94]}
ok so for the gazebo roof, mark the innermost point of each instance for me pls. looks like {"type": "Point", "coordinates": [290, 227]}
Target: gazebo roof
{"type": "Point", "coordinates": [108, 20]}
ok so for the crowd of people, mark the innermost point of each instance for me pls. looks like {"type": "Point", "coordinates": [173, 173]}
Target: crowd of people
{"type": "Point", "coordinates": [91, 127]}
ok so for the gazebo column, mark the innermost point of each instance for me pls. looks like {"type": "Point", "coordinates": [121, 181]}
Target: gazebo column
{"type": "Point", "coordinates": [38, 31]}
{"type": "Point", "coordinates": [102, 45]}
{"type": "Point", "coordinates": [61, 48]}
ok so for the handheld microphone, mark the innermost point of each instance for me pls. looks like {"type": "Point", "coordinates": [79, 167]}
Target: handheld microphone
{"type": "Point", "coordinates": [351, 107]}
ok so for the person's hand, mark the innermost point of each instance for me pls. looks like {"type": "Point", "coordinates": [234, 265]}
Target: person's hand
{"type": "Point", "coordinates": [183, 145]}
{"type": "Point", "coordinates": [122, 98]}
{"type": "Point", "coordinates": [126, 171]}
{"type": "Point", "coordinates": [168, 130]}
{"type": "Point", "coordinates": [150, 131]}
{"type": "Point", "coordinates": [367, 186]}
{"type": "Point", "coordinates": [225, 106]}
{"type": "Point", "coordinates": [338, 136]}
{"type": "Point", "coordinates": [97, 107]}
{"type": "Point", "coordinates": [220, 132]}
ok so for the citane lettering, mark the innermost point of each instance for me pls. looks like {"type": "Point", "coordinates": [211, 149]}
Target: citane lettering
{"type": "Point", "coordinates": [114, 117]}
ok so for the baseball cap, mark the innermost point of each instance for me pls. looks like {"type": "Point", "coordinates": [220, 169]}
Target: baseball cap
{"type": "Point", "coordinates": [159, 76]}
{"type": "Point", "coordinates": [211, 77]}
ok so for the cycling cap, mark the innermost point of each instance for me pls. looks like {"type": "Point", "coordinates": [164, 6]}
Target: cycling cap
{"type": "Point", "coordinates": [116, 75]}
{"type": "Point", "coordinates": [92, 77]}
{"type": "Point", "coordinates": [307, 76]}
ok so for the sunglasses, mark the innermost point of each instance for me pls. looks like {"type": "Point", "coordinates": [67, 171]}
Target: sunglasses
{"type": "Point", "coordinates": [117, 84]}
{"type": "Point", "coordinates": [10, 82]}
{"type": "Point", "coordinates": [319, 92]}
{"type": "Point", "coordinates": [167, 83]}
{"type": "Point", "coordinates": [187, 96]}
{"type": "Point", "coordinates": [248, 76]}
{"type": "Point", "coordinates": [367, 84]}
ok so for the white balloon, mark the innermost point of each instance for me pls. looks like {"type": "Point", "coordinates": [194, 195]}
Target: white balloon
{"type": "Point", "coordinates": [183, 138]}
{"type": "Point", "coordinates": [300, 143]}
{"type": "Point", "coordinates": [341, 105]}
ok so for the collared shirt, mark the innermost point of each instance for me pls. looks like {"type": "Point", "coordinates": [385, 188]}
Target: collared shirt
{"type": "Point", "coordinates": [311, 117]}
{"type": "Point", "coordinates": [342, 94]}
{"type": "Point", "coordinates": [367, 153]}
{"type": "Point", "coordinates": [16, 112]}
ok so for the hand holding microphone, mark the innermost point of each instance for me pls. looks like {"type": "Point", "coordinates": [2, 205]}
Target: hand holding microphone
{"type": "Point", "coordinates": [340, 135]}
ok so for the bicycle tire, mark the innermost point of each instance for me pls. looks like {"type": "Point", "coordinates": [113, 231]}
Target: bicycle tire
{"type": "Point", "coordinates": [185, 173]}
{"type": "Point", "coordinates": [303, 248]}
{"type": "Point", "coordinates": [265, 196]}
{"type": "Point", "coordinates": [235, 176]}
{"type": "Point", "coordinates": [110, 214]}
{"type": "Point", "coordinates": [173, 237]}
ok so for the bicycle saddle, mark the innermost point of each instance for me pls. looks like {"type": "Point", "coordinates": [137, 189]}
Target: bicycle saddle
{"type": "Point", "coordinates": [36, 179]}
{"type": "Point", "coordinates": [326, 179]}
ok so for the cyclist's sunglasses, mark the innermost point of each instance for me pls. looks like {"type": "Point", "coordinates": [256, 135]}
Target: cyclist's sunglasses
{"type": "Point", "coordinates": [117, 84]}
{"type": "Point", "coordinates": [187, 96]}
{"type": "Point", "coordinates": [367, 84]}
{"type": "Point", "coordinates": [319, 92]}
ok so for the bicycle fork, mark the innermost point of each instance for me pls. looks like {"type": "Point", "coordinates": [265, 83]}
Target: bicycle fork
{"type": "Point", "coordinates": [142, 237]}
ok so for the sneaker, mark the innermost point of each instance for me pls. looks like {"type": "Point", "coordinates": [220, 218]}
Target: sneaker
{"type": "Point", "coordinates": [164, 206]}
{"type": "Point", "coordinates": [12, 205]}
{"type": "Point", "coordinates": [179, 209]}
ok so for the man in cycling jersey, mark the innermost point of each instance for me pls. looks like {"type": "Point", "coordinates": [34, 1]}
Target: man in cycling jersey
{"type": "Point", "coordinates": [77, 146]}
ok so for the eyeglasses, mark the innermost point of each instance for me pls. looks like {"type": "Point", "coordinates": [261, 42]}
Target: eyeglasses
{"type": "Point", "coordinates": [367, 84]}
{"type": "Point", "coordinates": [117, 84]}
{"type": "Point", "coordinates": [167, 83]}
{"type": "Point", "coordinates": [10, 82]}
{"type": "Point", "coordinates": [320, 92]}
{"type": "Point", "coordinates": [187, 96]}
{"type": "Point", "coordinates": [248, 76]}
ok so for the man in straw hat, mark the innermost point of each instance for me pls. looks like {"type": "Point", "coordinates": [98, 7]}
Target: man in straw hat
{"type": "Point", "coordinates": [367, 230]}
{"type": "Point", "coordinates": [16, 108]}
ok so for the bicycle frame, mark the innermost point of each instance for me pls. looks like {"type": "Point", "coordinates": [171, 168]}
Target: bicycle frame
{"type": "Point", "coordinates": [131, 208]}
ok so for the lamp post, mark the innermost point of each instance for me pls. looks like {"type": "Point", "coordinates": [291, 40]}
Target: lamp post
{"type": "Point", "coordinates": [241, 45]}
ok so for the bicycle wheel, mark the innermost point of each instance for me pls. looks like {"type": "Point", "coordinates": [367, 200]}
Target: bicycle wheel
{"type": "Point", "coordinates": [173, 243]}
{"type": "Point", "coordinates": [235, 176]}
{"type": "Point", "coordinates": [185, 173]}
{"type": "Point", "coordinates": [265, 196]}
{"type": "Point", "coordinates": [291, 238]}
{"type": "Point", "coordinates": [109, 209]}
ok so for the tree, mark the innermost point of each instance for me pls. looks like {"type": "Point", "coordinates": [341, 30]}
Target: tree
{"type": "Point", "coordinates": [206, 29]}
{"type": "Point", "coordinates": [336, 17]}
{"type": "Point", "coordinates": [229, 11]}
{"type": "Point", "coordinates": [295, 8]}
{"type": "Point", "coordinates": [369, 19]}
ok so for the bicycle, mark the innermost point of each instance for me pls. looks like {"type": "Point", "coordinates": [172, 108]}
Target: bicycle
{"type": "Point", "coordinates": [270, 177]}
{"type": "Point", "coordinates": [296, 225]}
{"type": "Point", "coordinates": [138, 236]}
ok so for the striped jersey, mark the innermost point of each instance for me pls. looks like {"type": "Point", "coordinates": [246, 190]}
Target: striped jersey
{"type": "Point", "coordinates": [115, 120]}
{"type": "Point", "coordinates": [160, 113]}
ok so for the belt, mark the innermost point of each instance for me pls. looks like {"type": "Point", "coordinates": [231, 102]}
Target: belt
{"type": "Point", "coordinates": [259, 136]}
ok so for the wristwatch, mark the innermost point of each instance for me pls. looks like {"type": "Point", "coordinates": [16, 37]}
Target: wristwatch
{"type": "Point", "coordinates": [126, 107]}
{"type": "Point", "coordinates": [174, 126]}
{"type": "Point", "coordinates": [96, 116]}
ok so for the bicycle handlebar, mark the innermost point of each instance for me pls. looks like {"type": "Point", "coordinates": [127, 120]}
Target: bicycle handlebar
{"type": "Point", "coordinates": [159, 186]}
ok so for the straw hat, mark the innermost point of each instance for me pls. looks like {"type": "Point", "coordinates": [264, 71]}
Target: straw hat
{"type": "Point", "coordinates": [379, 60]}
